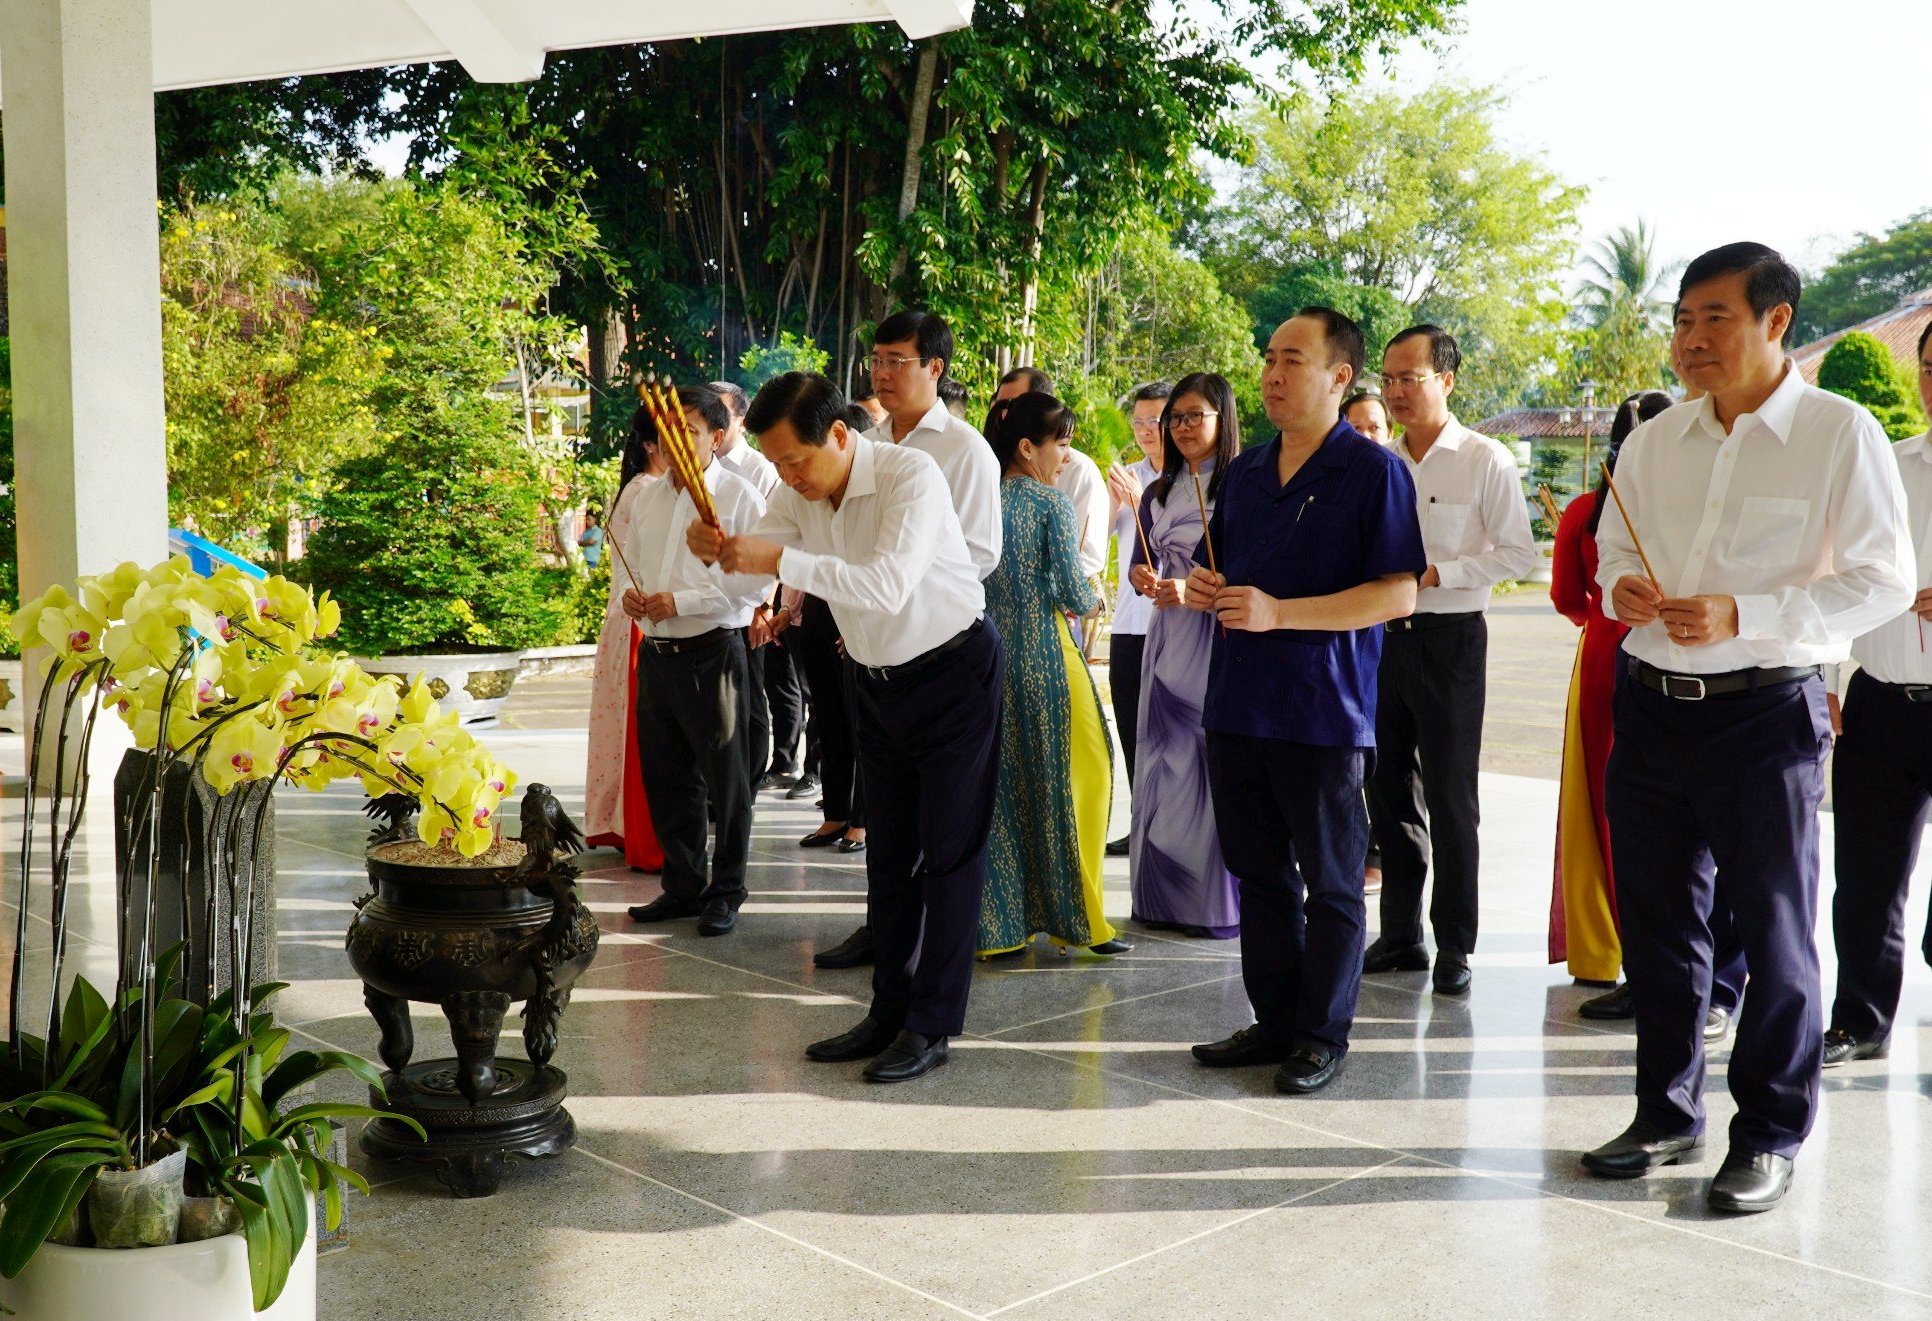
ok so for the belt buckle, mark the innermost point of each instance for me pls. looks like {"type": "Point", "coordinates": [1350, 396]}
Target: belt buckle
{"type": "Point", "coordinates": [1917, 692]}
{"type": "Point", "coordinates": [1690, 682]}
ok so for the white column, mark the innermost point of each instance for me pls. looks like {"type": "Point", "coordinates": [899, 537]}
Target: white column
{"type": "Point", "coordinates": [84, 286]}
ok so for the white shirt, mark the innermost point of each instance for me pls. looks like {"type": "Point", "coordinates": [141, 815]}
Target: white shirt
{"type": "Point", "coordinates": [1475, 522]}
{"type": "Point", "coordinates": [891, 560]}
{"type": "Point", "coordinates": [972, 473]}
{"type": "Point", "coordinates": [1080, 481]}
{"type": "Point", "coordinates": [1798, 513]}
{"type": "Point", "coordinates": [1133, 612]}
{"type": "Point", "coordinates": [707, 597]}
{"type": "Point", "coordinates": [749, 464]}
{"type": "Point", "coordinates": [1900, 649]}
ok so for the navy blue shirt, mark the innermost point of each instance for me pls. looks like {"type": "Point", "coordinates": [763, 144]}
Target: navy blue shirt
{"type": "Point", "coordinates": [1347, 517]}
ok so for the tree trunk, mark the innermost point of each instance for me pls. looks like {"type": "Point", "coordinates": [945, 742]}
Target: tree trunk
{"type": "Point", "coordinates": [605, 343]}
{"type": "Point", "coordinates": [915, 143]}
{"type": "Point", "coordinates": [1036, 225]}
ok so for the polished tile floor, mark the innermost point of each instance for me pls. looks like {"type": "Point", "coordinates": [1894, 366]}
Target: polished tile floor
{"type": "Point", "coordinates": [1071, 1160]}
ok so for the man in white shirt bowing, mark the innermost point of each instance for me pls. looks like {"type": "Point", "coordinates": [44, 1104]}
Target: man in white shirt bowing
{"type": "Point", "coordinates": [1429, 720]}
{"type": "Point", "coordinates": [693, 684]}
{"type": "Point", "coordinates": [1881, 785]}
{"type": "Point", "coordinates": [910, 353]}
{"type": "Point", "coordinates": [1773, 521]}
{"type": "Point", "coordinates": [869, 528]}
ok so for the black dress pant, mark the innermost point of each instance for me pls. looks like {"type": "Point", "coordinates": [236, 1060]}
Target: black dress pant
{"type": "Point", "coordinates": [929, 756]}
{"type": "Point", "coordinates": [1881, 788]}
{"type": "Point", "coordinates": [785, 700]}
{"type": "Point", "coordinates": [692, 715]}
{"type": "Point", "coordinates": [1422, 796]}
{"type": "Point", "coordinates": [828, 677]}
{"type": "Point", "coordinates": [1123, 677]}
{"type": "Point", "coordinates": [758, 709]}
{"type": "Point", "coordinates": [1294, 833]}
{"type": "Point", "coordinates": [1716, 802]}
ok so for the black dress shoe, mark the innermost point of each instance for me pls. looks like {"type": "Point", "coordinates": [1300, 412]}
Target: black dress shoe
{"type": "Point", "coordinates": [1306, 1071]}
{"type": "Point", "coordinates": [852, 952]}
{"type": "Point", "coordinates": [1638, 1150]}
{"type": "Point", "coordinates": [1248, 1046]}
{"type": "Point", "coordinates": [861, 1043]}
{"type": "Point", "coordinates": [909, 1056]}
{"type": "Point", "coordinates": [1620, 1003]}
{"type": "Point", "coordinates": [1385, 955]}
{"type": "Point", "coordinates": [1452, 974]}
{"type": "Point", "coordinates": [1111, 947]}
{"type": "Point", "coordinates": [1841, 1047]}
{"type": "Point", "coordinates": [663, 909]}
{"type": "Point", "coordinates": [823, 839]}
{"type": "Point", "coordinates": [1717, 1025]}
{"type": "Point", "coordinates": [803, 787]}
{"type": "Point", "coordinates": [851, 846]}
{"type": "Point", "coordinates": [1750, 1181]}
{"type": "Point", "coordinates": [773, 780]}
{"type": "Point", "coordinates": [1117, 848]}
{"type": "Point", "coordinates": [717, 918]}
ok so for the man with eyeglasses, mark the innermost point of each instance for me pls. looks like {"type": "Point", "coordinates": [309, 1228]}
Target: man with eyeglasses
{"type": "Point", "coordinates": [1134, 612]}
{"type": "Point", "coordinates": [1429, 723]}
{"type": "Point", "coordinates": [910, 353]}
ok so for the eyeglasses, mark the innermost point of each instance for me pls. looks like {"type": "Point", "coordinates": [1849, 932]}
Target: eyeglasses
{"type": "Point", "coordinates": [884, 365]}
{"type": "Point", "coordinates": [1147, 424]}
{"type": "Point", "coordinates": [1191, 419]}
{"type": "Point", "coordinates": [1409, 380]}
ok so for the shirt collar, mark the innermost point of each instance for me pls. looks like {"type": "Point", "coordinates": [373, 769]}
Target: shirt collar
{"type": "Point", "coordinates": [1453, 434]}
{"type": "Point", "coordinates": [864, 477]}
{"type": "Point", "coordinates": [1776, 414]}
{"type": "Point", "coordinates": [1920, 445]}
{"type": "Point", "coordinates": [936, 418]}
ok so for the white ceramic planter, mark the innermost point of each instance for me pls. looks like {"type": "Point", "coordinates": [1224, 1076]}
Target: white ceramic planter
{"type": "Point", "coordinates": [205, 1281]}
{"type": "Point", "coordinates": [1542, 572]}
{"type": "Point", "coordinates": [474, 686]}
{"type": "Point", "coordinates": [13, 683]}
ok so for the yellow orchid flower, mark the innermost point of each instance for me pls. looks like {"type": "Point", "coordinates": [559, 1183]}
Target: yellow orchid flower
{"type": "Point", "coordinates": [27, 619]}
{"type": "Point", "coordinates": [241, 750]}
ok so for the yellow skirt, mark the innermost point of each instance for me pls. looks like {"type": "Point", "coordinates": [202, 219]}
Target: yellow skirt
{"type": "Point", "coordinates": [1093, 783]}
{"type": "Point", "coordinates": [1589, 939]}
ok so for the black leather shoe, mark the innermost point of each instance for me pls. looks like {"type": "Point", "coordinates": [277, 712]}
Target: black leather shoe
{"type": "Point", "coordinates": [773, 780]}
{"type": "Point", "coordinates": [662, 909]}
{"type": "Point", "coordinates": [1452, 974]}
{"type": "Point", "coordinates": [1717, 1025]}
{"type": "Point", "coordinates": [1619, 1003]}
{"type": "Point", "coordinates": [1117, 848]}
{"type": "Point", "coordinates": [1750, 1181]}
{"type": "Point", "coordinates": [1638, 1150]}
{"type": "Point", "coordinates": [1248, 1046]}
{"type": "Point", "coordinates": [852, 952]}
{"type": "Point", "coordinates": [861, 1043]}
{"type": "Point", "coordinates": [1111, 947]}
{"type": "Point", "coordinates": [909, 1056]}
{"type": "Point", "coordinates": [717, 918]}
{"type": "Point", "coordinates": [803, 787]}
{"type": "Point", "coordinates": [823, 839]}
{"type": "Point", "coordinates": [1306, 1071]}
{"type": "Point", "coordinates": [1386, 956]}
{"type": "Point", "coordinates": [1841, 1047]}
{"type": "Point", "coordinates": [851, 846]}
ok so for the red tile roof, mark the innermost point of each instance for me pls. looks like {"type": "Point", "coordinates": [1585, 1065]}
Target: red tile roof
{"type": "Point", "coordinates": [1898, 330]}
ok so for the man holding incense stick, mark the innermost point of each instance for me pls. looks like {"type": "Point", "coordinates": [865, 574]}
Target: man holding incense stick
{"type": "Point", "coordinates": [868, 527]}
{"type": "Point", "coordinates": [1773, 518]}
{"type": "Point", "coordinates": [693, 684]}
{"type": "Point", "coordinates": [1316, 541]}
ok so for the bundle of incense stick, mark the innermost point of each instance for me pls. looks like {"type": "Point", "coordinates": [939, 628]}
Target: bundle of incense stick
{"type": "Point", "coordinates": [1635, 540]}
{"type": "Point", "coordinates": [667, 411]}
{"type": "Point", "coordinates": [1548, 502]}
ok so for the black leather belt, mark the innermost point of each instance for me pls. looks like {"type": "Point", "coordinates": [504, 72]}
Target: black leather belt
{"type": "Point", "coordinates": [889, 673]}
{"type": "Point", "coordinates": [1911, 692]}
{"type": "Point", "coordinates": [1422, 623]}
{"type": "Point", "coordinates": [678, 646]}
{"type": "Point", "coordinates": [1696, 687]}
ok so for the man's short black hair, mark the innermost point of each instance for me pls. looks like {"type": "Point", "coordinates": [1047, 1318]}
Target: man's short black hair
{"type": "Point", "coordinates": [807, 400]}
{"type": "Point", "coordinates": [1444, 353]}
{"type": "Point", "coordinates": [1345, 341]}
{"type": "Point", "coordinates": [708, 404]}
{"type": "Point", "coordinates": [856, 418]}
{"type": "Point", "coordinates": [1768, 278]}
{"type": "Point", "coordinates": [951, 390]}
{"type": "Point", "coordinates": [1153, 390]}
{"type": "Point", "coordinates": [930, 332]}
{"type": "Point", "coordinates": [1037, 381]}
{"type": "Point", "coordinates": [734, 397]}
{"type": "Point", "coordinates": [1924, 335]}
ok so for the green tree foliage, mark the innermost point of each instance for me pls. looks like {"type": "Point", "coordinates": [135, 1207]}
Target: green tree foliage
{"type": "Point", "coordinates": [1861, 368]}
{"type": "Point", "coordinates": [1415, 196]}
{"type": "Point", "coordinates": [1875, 274]}
{"type": "Point", "coordinates": [1624, 271]}
{"type": "Point", "coordinates": [265, 395]}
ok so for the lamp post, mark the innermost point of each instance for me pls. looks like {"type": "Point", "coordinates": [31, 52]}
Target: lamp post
{"type": "Point", "coordinates": [1588, 414]}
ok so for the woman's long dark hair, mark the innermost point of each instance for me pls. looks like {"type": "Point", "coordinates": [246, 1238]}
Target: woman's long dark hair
{"type": "Point", "coordinates": [1214, 388]}
{"type": "Point", "coordinates": [1631, 413]}
{"type": "Point", "coordinates": [1036, 416]}
{"type": "Point", "coordinates": [637, 446]}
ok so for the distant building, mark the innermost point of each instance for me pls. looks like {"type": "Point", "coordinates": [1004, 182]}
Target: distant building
{"type": "Point", "coordinates": [1898, 330]}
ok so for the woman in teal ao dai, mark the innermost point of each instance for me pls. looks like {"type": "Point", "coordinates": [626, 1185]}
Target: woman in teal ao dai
{"type": "Point", "coordinates": [1056, 763]}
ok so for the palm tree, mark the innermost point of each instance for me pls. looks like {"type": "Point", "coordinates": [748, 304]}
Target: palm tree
{"type": "Point", "coordinates": [1624, 269]}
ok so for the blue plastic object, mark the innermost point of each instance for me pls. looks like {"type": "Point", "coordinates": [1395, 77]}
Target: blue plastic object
{"type": "Point", "coordinates": [205, 556]}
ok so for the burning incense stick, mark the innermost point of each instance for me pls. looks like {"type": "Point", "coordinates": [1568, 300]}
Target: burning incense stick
{"type": "Point", "coordinates": [1635, 540]}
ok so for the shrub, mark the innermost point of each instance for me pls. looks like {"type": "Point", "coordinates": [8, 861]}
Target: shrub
{"type": "Point", "coordinates": [431, 544]}
{"type": "Point", "coordinates": [1862, 369]}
